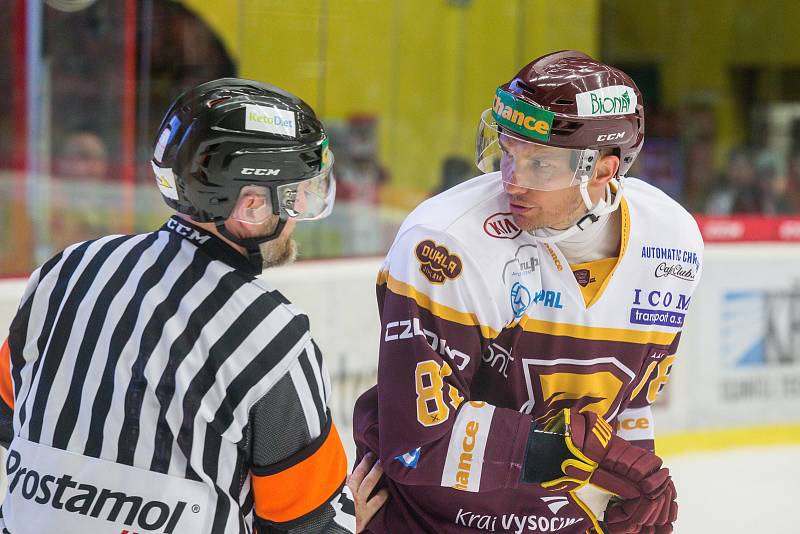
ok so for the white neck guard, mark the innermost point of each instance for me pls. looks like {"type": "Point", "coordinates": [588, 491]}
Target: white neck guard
{"type": "Point", "coordinates": [596, 216]}
{"type": "Point", "coordinates": [597, 241]}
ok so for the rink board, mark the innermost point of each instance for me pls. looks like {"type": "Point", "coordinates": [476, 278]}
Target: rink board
{"type": "Point", "coordinates": [738, 365]}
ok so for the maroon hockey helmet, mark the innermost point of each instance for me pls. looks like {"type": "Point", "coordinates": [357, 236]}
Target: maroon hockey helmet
{"type": "Point", "coordinates": [568, 100]}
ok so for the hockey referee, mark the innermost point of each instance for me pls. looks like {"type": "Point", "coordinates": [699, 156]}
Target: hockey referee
{"type": "Point", "coordinates": [152, 383]}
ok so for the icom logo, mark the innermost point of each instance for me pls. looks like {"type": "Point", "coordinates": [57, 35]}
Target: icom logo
{"type": "Point", "coordinates": [261, 172]}
{"type": "Point", "coordinates": [665, 308]}
{"type": "Point", "coordinates": [611, 136]}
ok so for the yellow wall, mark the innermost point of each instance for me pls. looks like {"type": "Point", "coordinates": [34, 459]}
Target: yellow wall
{"type": "Point", "coordinates": [698, 42]}
{"type": "Point", "coordinates": [426, 68]}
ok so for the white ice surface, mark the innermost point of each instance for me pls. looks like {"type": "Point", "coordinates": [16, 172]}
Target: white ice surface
{"type": "Point", "coordinates": [738, 491]}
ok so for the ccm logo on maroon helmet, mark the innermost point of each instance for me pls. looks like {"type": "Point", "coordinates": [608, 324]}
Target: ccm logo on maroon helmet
{"type": "Point", "coordinates": [261, 172]}
{"type": "Point", "coordinates": [611, 136]}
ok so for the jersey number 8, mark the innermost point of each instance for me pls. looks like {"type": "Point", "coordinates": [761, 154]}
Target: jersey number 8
{"type": "Point", "coordinates": [431, 406]}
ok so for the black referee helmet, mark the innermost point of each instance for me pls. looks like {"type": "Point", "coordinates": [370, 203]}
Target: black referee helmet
{"type": "Point", "coordinates": [227, 134]}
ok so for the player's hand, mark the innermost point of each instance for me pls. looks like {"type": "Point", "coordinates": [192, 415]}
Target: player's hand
{"type": "Point", "coordinates": [587, 450]}
{"type": "Point", "coordinates": [361, 482]}
{"type": "Point", "coordinates": [644, 515]}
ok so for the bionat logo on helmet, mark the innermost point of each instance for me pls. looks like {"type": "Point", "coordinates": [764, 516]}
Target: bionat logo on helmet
{"type": "Point", "coordinates": [612, 100]}
{"type": "Point", "coordinates": [521, 117]}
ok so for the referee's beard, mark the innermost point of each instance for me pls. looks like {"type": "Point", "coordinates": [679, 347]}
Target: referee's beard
{"type": "Point", "coordinates": [279, 251]}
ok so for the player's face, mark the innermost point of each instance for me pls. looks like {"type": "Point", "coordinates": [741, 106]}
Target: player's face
{"type": "Point", "coordinates": [534, 209]}
{"type": "Point", "coordinates": [536, 166]}
{"type": "Point", "coordinates": [527, 163]}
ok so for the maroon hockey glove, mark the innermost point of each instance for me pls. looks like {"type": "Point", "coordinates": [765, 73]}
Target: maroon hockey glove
{"type": "Point", "coordinates": [651, 485]}
{"type": "Point", "coordinates": [576, 447]}
{"type": "Point", "coordinates": [644, 515]}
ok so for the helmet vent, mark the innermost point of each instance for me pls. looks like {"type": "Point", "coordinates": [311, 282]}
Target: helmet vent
{"type": "Point", "coordinates": [565, 127]}
{"type": "Point", "coordinates": [312, 159]}
{"type": "Point", "coordinates": [212, 103]}
{"type": "Point", "coordinates": [522, 87]}
{"type": "Point", "coordinates": [564, 102]}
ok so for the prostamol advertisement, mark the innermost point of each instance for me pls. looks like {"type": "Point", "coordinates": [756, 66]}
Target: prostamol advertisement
{"type": "Point", "coordinates": [51, 490]}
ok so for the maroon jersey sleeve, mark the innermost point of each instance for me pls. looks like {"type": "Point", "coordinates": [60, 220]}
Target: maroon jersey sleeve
{"type": "Point", "coordinates": [435, 323]}
{"type": "Point", "coordinates": [636, 423]}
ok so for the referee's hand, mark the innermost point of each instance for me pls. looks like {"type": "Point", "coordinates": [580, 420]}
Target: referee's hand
{"type": "Point", "coordinates": [361, 482]}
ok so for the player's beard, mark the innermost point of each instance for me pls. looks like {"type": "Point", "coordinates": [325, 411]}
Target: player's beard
{"type": "Point", "coordinates": [281, 251]}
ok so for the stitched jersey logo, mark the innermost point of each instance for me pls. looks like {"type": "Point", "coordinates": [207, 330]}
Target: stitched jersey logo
{"type": "Point", "coordinates": [437, 263]}
{"type": "Point", "coordinates": [554, 384]}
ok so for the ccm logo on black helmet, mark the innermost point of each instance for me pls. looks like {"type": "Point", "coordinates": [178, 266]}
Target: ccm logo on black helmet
{"type": "Point", "coordinates": [611, 136]}
{"type": "Point", "coordinates": [261, 172]}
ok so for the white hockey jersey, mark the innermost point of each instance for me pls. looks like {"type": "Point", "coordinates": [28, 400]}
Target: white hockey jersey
{"type": "Point", "coordinates": [486, 331]}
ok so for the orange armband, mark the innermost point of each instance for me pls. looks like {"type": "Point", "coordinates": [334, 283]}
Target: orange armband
{"type": "Point", "coordinates": [303, 482]}
{"type": "Point", "coordinates": [6, 385]}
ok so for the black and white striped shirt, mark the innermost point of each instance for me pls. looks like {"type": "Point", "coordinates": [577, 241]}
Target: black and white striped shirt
{"type": "Point", "coordinates": [159, 386]}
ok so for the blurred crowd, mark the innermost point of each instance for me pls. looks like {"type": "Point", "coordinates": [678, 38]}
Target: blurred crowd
{"type": "Point", "coordinates": [755, 181]}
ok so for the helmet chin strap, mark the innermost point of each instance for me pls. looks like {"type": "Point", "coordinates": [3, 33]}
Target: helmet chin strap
{"type": "Point", "coordinates": [251, 244]}
{"type": "Point", "coordinates": [593, 214]}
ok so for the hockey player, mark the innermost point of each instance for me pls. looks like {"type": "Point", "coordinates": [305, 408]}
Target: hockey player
{"type": "Point", "coordinates": [530, 316]}
{"type": "Point", "coordinates": [158, 384]}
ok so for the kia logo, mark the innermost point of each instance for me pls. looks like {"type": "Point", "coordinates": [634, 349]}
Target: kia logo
{"type": "Point", "coordinates": [501, 226]}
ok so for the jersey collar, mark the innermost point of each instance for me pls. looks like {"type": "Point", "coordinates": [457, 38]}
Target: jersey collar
{"type": "Point", "coordinates": [210, 244]}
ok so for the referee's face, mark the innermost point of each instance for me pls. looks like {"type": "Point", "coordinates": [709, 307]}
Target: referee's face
{"type": "Point", "coordinates": [278, 251]}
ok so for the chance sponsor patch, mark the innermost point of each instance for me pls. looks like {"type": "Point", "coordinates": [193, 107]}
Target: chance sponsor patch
{"type": "Point", "coordinates": [437, 263]}
{"type": "Point", "coordinates": [521, 117]}
{"type": "Point", "coordinates": [464, 463]}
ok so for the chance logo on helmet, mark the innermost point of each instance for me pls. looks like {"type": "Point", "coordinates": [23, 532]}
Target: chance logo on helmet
{"type": "Point", "coordinates": [612, 100]}
{"type": "Point", "coordinates": [521, 117]}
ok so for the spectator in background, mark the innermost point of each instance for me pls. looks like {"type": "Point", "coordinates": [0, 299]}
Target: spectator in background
{"type": "Point", "coordinates": [82, 155]}
{"type": "Point", "coordinates": [736, 190]}
{"type": "Point", "coordinates": [772, 184]}
{"type": "Point", "coordinates": [455, 170]}
{"type": "Point", "coordinates": [77, 211]}
{"type": "Point", "coordinates": [792, 193]}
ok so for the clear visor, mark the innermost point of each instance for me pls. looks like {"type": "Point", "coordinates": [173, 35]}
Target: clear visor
{"type": "Point", "coordinates": [306, 200]}
{"type": "Point", "coordinates": [310, 199]}
{"type": "Point", "coordinates": [525, 163]}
